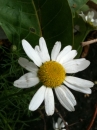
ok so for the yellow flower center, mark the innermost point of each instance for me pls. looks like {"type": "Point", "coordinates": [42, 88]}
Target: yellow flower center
{"type": "Point", "coordinates": [51, 74]}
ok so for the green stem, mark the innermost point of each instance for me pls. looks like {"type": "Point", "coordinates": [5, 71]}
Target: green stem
{"type": "Point", "coordinates": [5, 121]}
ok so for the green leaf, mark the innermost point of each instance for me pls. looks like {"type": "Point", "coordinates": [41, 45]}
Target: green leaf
{"type": "Point", "coordinates": [51, 19]}
{"type": "Point", "coordinates": [19, 20]}
{"type": "Point", "coordinates": [81, 34]}
{"type": "Point", "coordinates": [56, 21]}
{"type": "Point", "coordinates": [95, 1]}
{"type": "Point", "coordinates": [84, 8]}
{"type": "Point", "coordinates": [75, 5]}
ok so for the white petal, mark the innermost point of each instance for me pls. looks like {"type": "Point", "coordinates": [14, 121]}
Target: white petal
{"type": "Point", "coordinates": [64, 100]}
{"type": "Point", "coordinates": [69, 95]}
{"type": "Point", "coordinates": [59, 121]}
{"type": "Point", "coordinates": [41, 54]}
{"type": "Point", "coordinates": [44, 50]}
{"type": "Point", "coordinates": [86, 18]}
{"type": "Point", "coordinates": [92, 20]}
{"type": "Point", "coordinates": [49, 101]}
{"type": "Point", "coordinates": [56, 126]}
{"type": "Point", "coordinates": [79, 82]}
{"type": "Point", "coordinates": [95, 22]}
{"type": "Point", "coordinates": [53, 124]}
{"type": "Point", "coordinates": [76, 88]}
{"type": "Point", "coordinates": [62, 125]}
{"type": "Point", "coordinates": [76, 65]}
{"type": "Point", "coordinates": [30, 66]}
{"type": "Point", "coordinates": [42, 57]}
{"type": "Point", "coordinates": [37, 49]}
{"type": "Point", "coordinates": [65, 50]}
{"type": "Point", "coordinates": [26, 81]}
{"type": "Point", "coordinates": [31, 53]}
{"type": "Point", "coordinates": [82, 15]}
{"type": "Point", "coordinates": [55, 51]}
{"type": "Point", "coordinates": [28, 76]}
{"type": "Point", "coordinates": [90, 16]}
{"type": "Point", "coordinates": [69, 56]}
{"type": "Point", "coordinates": [37, 99]}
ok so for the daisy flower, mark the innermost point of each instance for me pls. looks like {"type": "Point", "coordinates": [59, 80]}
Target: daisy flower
{"type": "Point", "coordinates": [59, 125]}
{"type": "Point", "coordinates": [89, 18]}
{"type": "Point", "coordinates": [52, 73]}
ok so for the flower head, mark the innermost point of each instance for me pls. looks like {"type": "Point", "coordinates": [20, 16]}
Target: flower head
{"type": "Point", "coordinates": [52, 73]}
{"type": "Point", "coordinates": [89, 18]}
{"type": "Point", "coordinates": [59, 125]}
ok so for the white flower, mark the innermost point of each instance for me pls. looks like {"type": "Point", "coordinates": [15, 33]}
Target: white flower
{"type": "Point", "coordinates": [53, 74]}
{"type": "Point", "coordinates": [59, 125]}
{"type": "Point", "coordinates": [89, 18]}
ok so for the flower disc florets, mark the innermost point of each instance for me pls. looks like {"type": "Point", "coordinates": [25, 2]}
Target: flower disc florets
{"type": "Point", "coordinates": [51, 74]}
